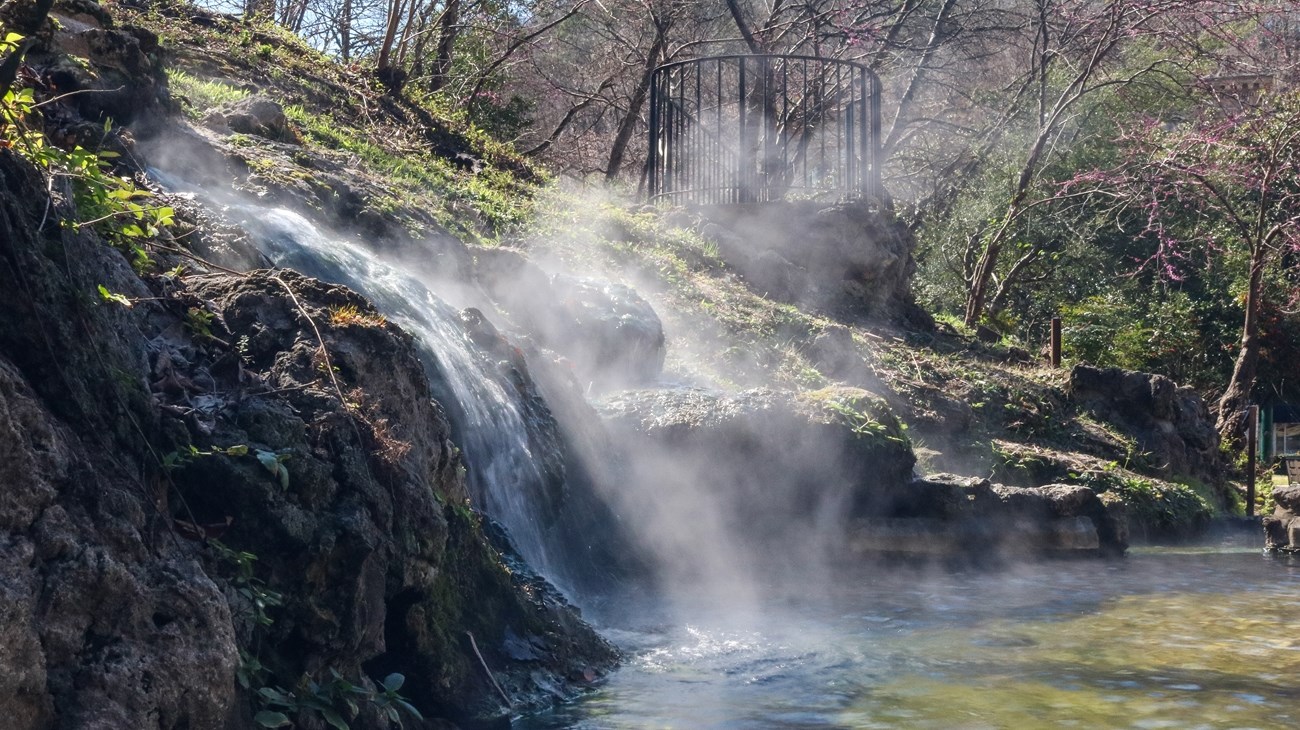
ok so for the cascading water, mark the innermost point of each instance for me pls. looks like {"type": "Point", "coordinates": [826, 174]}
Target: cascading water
{"type": "Point", "coordinates": [1153, 642]}
{"type": "Point", "coordinates": [502, 468]}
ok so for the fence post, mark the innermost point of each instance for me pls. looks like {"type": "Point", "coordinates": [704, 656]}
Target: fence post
{"type": "Point", "coordinates": [652, 159]}
{"type": "Point", "coordinates": [1055, 343]}
{"type": "Point", "coordinates": [1252, 449]}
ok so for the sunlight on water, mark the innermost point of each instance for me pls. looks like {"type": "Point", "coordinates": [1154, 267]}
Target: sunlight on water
{"type": "Point", "coordinates": [1174, 639]}
{"type": "Point", "coordinates": [504, 476]}
{"type": "Point", "coordinates": [504, 472]}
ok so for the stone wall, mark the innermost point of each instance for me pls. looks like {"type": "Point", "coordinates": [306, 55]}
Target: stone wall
{"type": "Point", "coordinates": [842, 256]}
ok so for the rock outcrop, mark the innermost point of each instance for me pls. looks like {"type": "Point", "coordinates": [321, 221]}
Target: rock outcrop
{"type": "Point", "coordinates": [283, 417]}
{"type": "Point", "coordinates": [760, 477]}
{"type": "Point", "coordinates": [1282, 528]}
{"type": "Point", "coordinates": [1170, 423]}
{"type": "Point", "coordinates": [977, 520]}
{"type": "Point", "coordinates": [256, 115]}
{"type": "Point", "coordinates": [116, 74]}
{"type": "Point", "coordinates": [610, 335]}
{"type": "Point", "coordinates": [824, 474]}
{"type": "Point", "coordinates": [842, 256]}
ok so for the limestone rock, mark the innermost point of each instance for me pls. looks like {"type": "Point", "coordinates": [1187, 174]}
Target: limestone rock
{"type": "Point", "coordinates": [1282, 528]}
{"type": "Point", "coordinates": [988, 520]}
{"type": "Point", "coordinates": [1170, 422]}
{"type": "Point", "coordinates": [774, 471]}
{"type": "Point", "coordinates": [116, 613]}
{"type": "Point", "coordinates": [1288, 497]}
{"type": "Point", "coordinates": [610, 334]}
{"type": "Point", "coordinates": [842, 256]}
{"type": "Point", "coordinates": [256, 115]}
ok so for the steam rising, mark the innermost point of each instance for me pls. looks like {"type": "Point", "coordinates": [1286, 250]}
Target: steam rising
{"type": "Point", "coordinates": [724, 501]}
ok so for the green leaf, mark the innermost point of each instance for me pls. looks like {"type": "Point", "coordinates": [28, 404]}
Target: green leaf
{"type": "Point", "coordinates": [109, 296]}
{"type": "Point", "coordinates": [275, 696]}
{"type": "Point", "coordinates": [410, 708]}
{"type": "Point", "coordinates": [334, 719]}
{"type": "Point", "coordinates": [269, 461]}
{"type": "Point", "coordinates": [394, 682]}
{"type": "Point", "coordinates": [266, 718]}
{"type": "Point", "coordinates": [237, 450]}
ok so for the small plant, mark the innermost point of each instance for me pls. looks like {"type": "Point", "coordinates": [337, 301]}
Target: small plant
{"type": "Point", "coordinates": [1011, 463]}
{"type": "Point", "coordinates": [182, 457]}
{"type": "Point", "coordinates": [274, 463]}
{"type": "Point", "coordinates": [862, 424]}
{"type": "Point", "coordinates": [248, 585]}
{"type": "Point", "coordinates": [199, 322]}
{"type": "Point", "coordinates": [335, 701]}
{"type": "Point", "coordinates": [348, 314]}
{"type": "Point", "coordinates": [115, 298]}
{"type": "Point", "coordinates": [109, 204]}
{"type": "Point", "coordinates": [251, 672]}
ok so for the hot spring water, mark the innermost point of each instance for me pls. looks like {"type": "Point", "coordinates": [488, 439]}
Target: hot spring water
{"type": "Point", "coordinates": [501, 466]}
{"type": "Point", "coordinates": [1161, 639]}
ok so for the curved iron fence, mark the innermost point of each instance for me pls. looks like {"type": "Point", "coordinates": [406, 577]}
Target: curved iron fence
{"type": "Point", "coordinates": [757, 128]}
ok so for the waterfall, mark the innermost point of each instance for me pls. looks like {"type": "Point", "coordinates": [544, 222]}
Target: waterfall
{"type": "Point", "coordinates": [503, 472]}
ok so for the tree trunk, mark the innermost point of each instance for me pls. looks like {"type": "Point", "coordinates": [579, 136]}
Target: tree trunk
{"type": "Point", "coordinates": [390, 35]}
{"type": "Point", "coordinates": [1232, 407]}
{"type": "Point", "coordinates": [345, 31]}
{"type": "Point", "coordinates": [904, 105]}
{"type": "Point", "coordinates": [625, 128]}
{"type": "Point", "coordinates": [449, 28]}
{"type": "Point", "coordinates": [260, 9]}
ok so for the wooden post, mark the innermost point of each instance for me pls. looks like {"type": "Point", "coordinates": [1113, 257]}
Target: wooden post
{"type": "Point", "coordinates": [1056, 342]}
{"type": "Point", "coordinates": [1252, 448]}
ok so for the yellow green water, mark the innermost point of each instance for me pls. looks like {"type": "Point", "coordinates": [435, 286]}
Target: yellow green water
{"type": "Point", "coordinates": [1192, 638]}
{"type": "Point", "coordinates": [1179, 661]}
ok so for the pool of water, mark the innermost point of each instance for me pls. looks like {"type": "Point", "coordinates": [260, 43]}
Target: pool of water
{"type": "Point", "coordinates": [1191, 638]}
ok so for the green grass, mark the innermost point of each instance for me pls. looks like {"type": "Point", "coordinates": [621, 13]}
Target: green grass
{"type": "Point", "coordinates": [405, 147]}
{"type": "Point", "coordinates": [201, 95]}
{"type": "Point", "coordinates": [497, 199]}
{"type": "Point", "coordinates": [724, 331]}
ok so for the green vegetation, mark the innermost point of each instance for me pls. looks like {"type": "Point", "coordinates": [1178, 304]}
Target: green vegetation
{"type": "Point", "coordinates": [430, 167]}
{"type": "Point", "coordinates": [261, 599]}
{"type": "Point", "coordinates": [1157, 509]}
{"type": "Point", "coordinates": [730, 334]}
{"type": "Point", "coordinates": [114, 206]}
{"type": "Point", "coordinates": [867, 416]}
{"type": "Point", "coordinates": [498, 198]}
{"type": "Point", "coordinates": [199, 96]}
{"type": "Point", "coordinates": [335, 701]}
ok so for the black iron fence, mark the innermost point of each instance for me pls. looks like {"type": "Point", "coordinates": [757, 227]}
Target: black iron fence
{"type": "Point", "coordinates": [752, 129]}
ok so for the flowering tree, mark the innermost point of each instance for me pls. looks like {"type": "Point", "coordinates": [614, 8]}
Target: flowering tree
{"type": "Point", "coordinates": [1081, 47]}
{"type": "Point", "coordinates": [1228, 184]}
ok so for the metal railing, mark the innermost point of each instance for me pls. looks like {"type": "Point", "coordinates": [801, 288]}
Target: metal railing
{"type": "Point", "coordinates": [758, 128]}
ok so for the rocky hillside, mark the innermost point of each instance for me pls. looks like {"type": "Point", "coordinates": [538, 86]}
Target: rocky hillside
{"type": "Point", "coordinates": [234, 496]}
{"type": "Point", "coordinates": [988, 410]}
{"type": "Point", "coordinates": [230, 499]}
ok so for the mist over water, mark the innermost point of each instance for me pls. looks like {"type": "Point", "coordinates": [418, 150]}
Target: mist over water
{"type": "Point", "coordinates": [751, 625]}
{"type": "Point", "coordinates": [498, 453]}
{"type": "Point", "coordinates": [1163, 639]}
